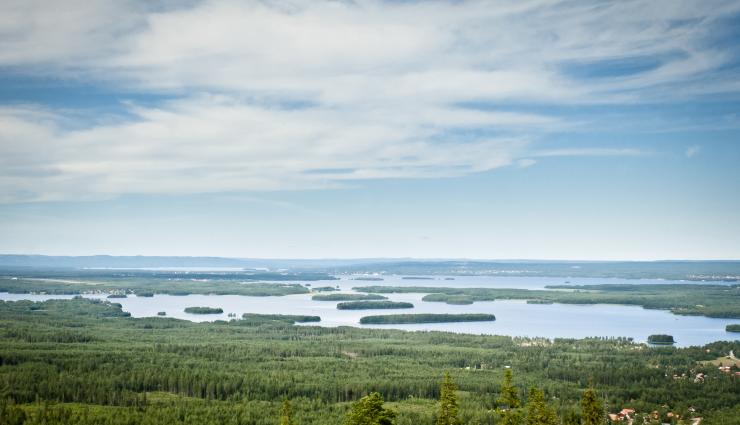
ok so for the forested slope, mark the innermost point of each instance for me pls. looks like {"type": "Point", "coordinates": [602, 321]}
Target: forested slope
{"type": "Point", "coordinates": [85, 357]}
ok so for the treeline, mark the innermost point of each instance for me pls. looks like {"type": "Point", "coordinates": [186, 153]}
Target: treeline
{"type": "Point", "coordinates": [253, 318]}
{"type": "Point", "coordinates": [688, 299]}
{"type": "Point", "coordinates": [325, 289]}
{"type": "Point", "coordinates": [397, 319]}
{"type": "Point", "coordinates": [372, 305]}
{"type": "Point", "coordinates": [348, 297]}
{"type": "Point", "coordinates": [204, 310]}
{"type": "Point", "coordinates": [510, 409]}
{"type": "Point", "coordinates": [144, 287]}
{"type": "Point", "coordinates": [660, 339]}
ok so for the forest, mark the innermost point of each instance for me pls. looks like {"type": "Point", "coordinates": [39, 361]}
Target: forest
{"type": "Point", "coordinates": [372, 305]}
{"type": "Point", "coordinates": [661, 339]}
{"type": "Point", "coordinates": [204, 310]}
{"type": "Point", "coordinates": [703, 299]}
{"type": "Point", "coordinates": [700, 271]}
{"type": "Point", "coordinates": [388, 319]}
{"type": "Point", "coordinates": [711, 300]}
{"type": "Point", "coordinates": [148, 286]}
{"type": "Point", "coordinates": [348, 297]}
{"type": "Point", "coordinates": [84, 361]}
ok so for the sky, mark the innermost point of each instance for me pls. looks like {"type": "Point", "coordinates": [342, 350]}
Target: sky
{"type": "Point", "coordinates": [538, 129]}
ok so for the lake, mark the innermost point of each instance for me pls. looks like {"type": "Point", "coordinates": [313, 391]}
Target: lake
{"type": "Point", "coordinates": [513, 317]}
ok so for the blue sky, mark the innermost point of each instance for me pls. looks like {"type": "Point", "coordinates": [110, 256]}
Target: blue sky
{"type": "Point", "coordinates": [303, 129]}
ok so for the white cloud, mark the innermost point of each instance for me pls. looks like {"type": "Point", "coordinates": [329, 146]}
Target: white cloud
{"type": "Point", "coordinates": [209, 144]}
{"type": "Point", "coordinates": [691, 151]}
{"type": "Point", "coordinates": [379, 87]}
{"type": "Point", "coordinates": [347, 52]}
{"type": "Point", "coordinates": [526, 162]}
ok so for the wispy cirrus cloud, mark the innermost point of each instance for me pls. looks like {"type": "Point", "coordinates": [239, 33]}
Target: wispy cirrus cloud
{"type": "Point", "coordinates": [280, 94]}
{"type": "Point", "coordinates": [212, 144]}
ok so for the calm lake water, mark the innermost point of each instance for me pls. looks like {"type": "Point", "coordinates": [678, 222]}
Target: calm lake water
{"type": "Point", "coordinates": [514, 317]}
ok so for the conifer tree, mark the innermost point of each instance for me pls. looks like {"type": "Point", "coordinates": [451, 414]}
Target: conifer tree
{"type": "Point", "coordinates": [509, 393]}
{"type": "Point", "coordinates": [571, 418]}
{"type": "Point", "coordinates": [509, 401]}
{"type": "Point", "coordinates": [592, 412]}
{"type": "Point", "coordinates": [512, 417]}
{"type": "Point", "coordinates": [286, 413]}
{"type": "Point", "coordinates": [369, 410]}
{"type": "Point", "coordinates": [538, 412]}
{"type": "Point", "coordinates": [448, 405]}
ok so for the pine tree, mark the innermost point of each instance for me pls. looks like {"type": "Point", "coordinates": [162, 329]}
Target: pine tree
{"type": "Point", "coordinates": [512, 417]}
{"type": "Point", "coordinates": [369, 410]}
{"type": "Point", "coordinates": [592, 412]}
{"type": "Point", "coordinates": [509, 393]}
{"type": "Point", "coordinates": [286, 413]}
{"type": "Point", "coordinates": [538, 412]}
{"type": "Point", "coordinates": [509, 401]}
{"type": "Point", "coordinates": [448, 405]}
{"type": "Point", "coordinates": [571, 418]}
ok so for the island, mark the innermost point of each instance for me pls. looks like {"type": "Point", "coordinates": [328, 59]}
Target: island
{"type": "Point", "coordinates": [204, 310]}
{"type": "Point", "coordinates": [449, 299]}
{"type": "Point", "coordinates": [161, 313]}
{"type": "Point", "coordinates": [117, 296]}
{"type": "Point", "coordinates": [141, 282]}
{"type": "Point", "coordinates": [253, 318]}
{"type": "Point", "coordinates": [325, 289]}
{"type": "Point", "coordinates": [402, 319]}
{"type": "Point", "coordinates": [372, 305]}
{"type": "Point", "coordinates": [348, 297]}
{"type": "Point", "coordinates": [661, 339]}
{"type": "Point", "coordinates": [733, 328]}
{"type": "Point", "coordinates": [709, 300]}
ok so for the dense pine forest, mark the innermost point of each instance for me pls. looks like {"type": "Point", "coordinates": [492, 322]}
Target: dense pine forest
{"type": "Point", "coordinates": [84, 361]}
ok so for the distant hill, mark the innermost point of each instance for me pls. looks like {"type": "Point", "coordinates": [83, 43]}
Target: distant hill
{"type": "Point", "coordinates": [674, 270]}
{"type": "Point", "coordinates": [126, 262]}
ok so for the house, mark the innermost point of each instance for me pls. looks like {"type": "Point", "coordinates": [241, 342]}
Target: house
{"type": "Point", "coordinates": [627, 412]}
{"type": "Point", "coordinates": [623, 415]}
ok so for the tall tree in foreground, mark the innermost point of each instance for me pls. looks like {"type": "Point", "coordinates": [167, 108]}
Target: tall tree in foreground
{"type": "Point", "coordinates": [538, 412]}
{"type": "Point", "coordinates": [509, 401]}
{"type": "Point", "coordinates": [509, 393]}
{"type": "Point", "coordinates": [448, 405]}
{"type": "Point", "coordinates": [369, 410]}
{"type": "Point", "coordinates": [286, 414]}
{"type": "Point", "coordinates": [592, 411]}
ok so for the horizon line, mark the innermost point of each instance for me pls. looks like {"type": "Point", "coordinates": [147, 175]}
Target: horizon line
{"type": "Point", "coordinates": [383, 259]}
